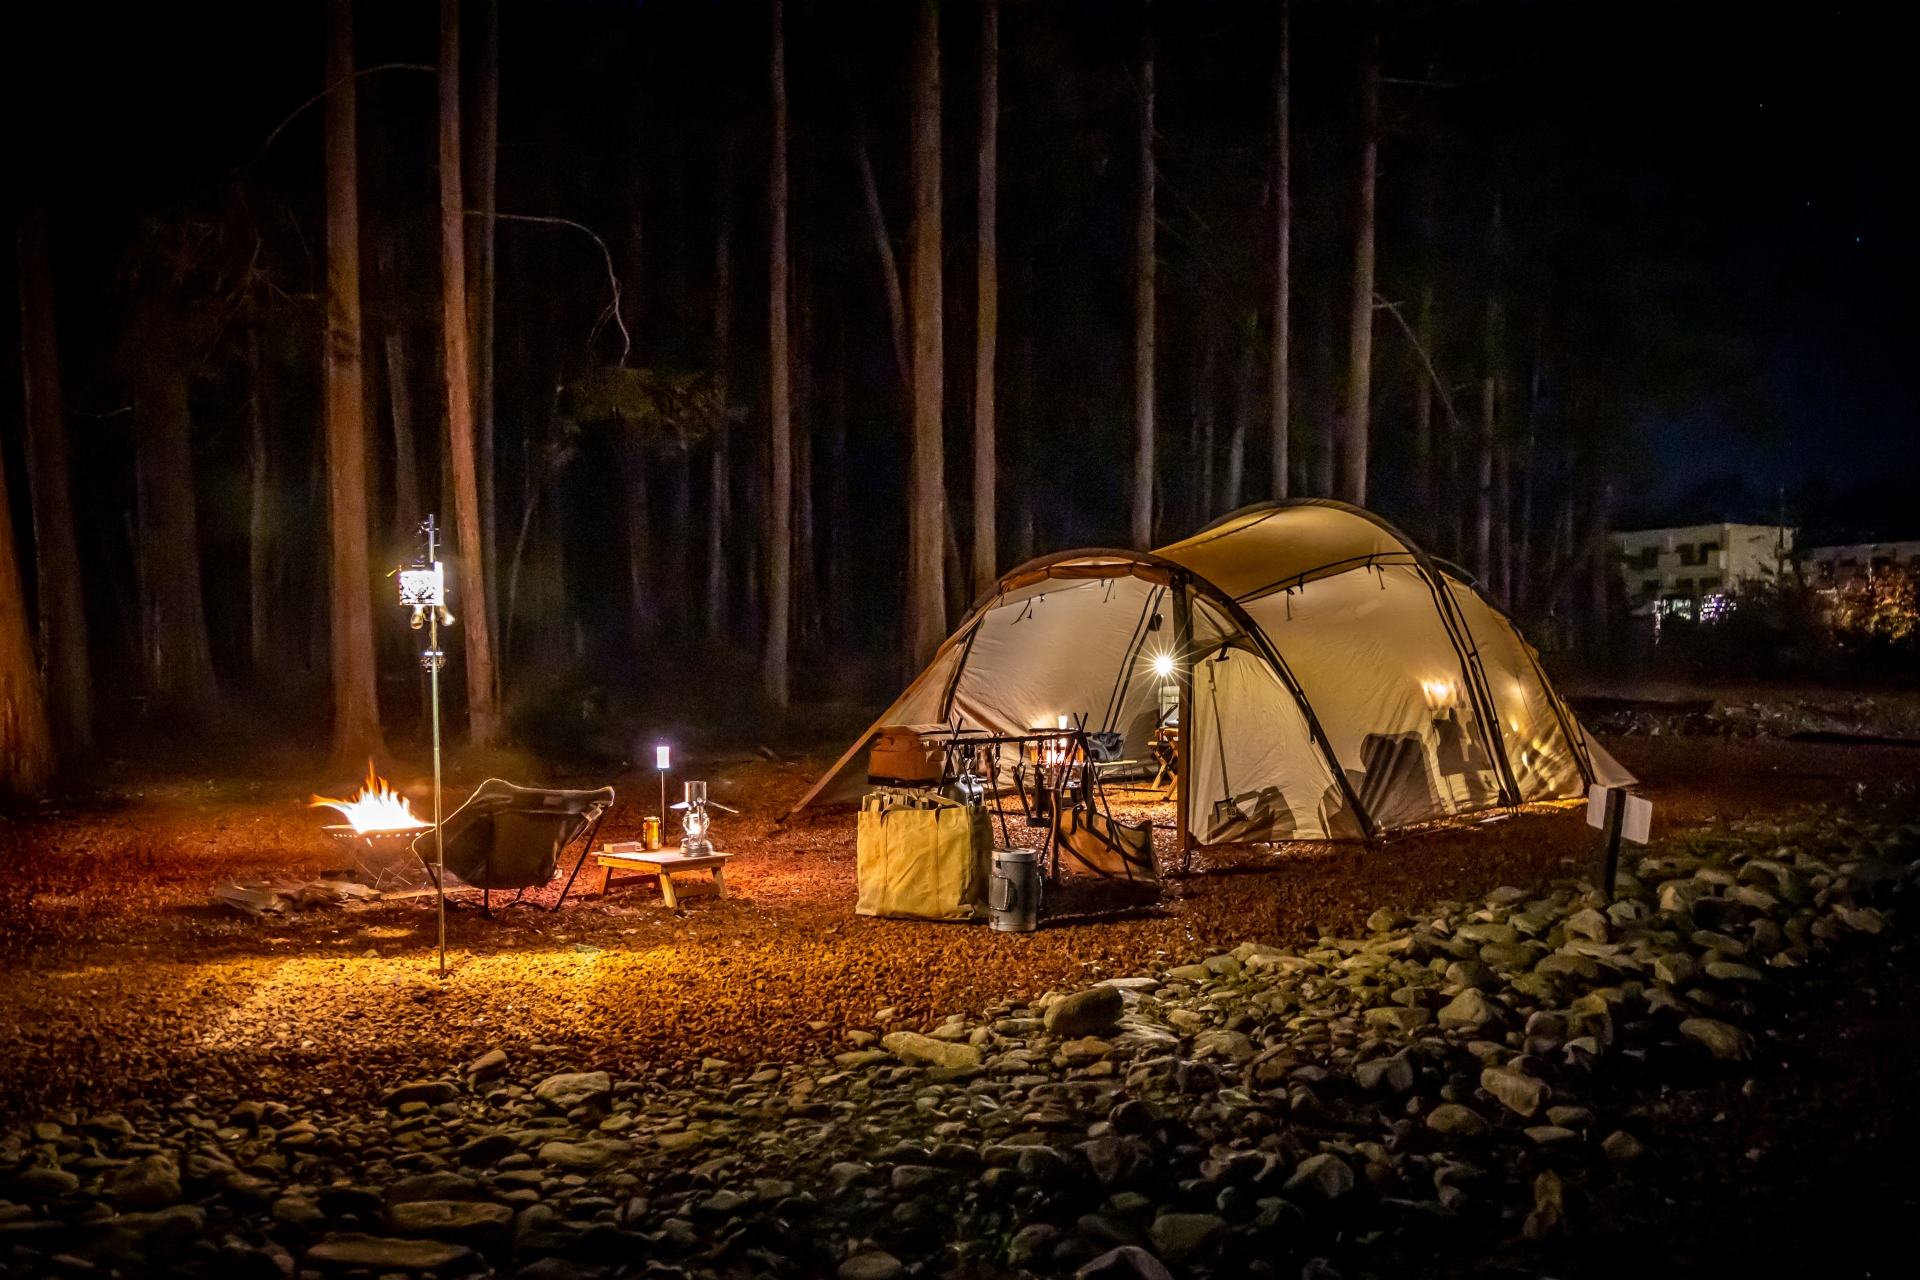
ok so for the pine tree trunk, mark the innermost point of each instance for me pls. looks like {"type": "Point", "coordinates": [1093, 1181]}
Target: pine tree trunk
{"type": "Point", "coordinates": [774, 675]}
{"type": "Point", "coordinates": [927, 513]}
{"type": "Point", "coordinates": [407, 515]}
{"type": "Point", "coordinates": [1143, 323]}
{"type": "Point", "coordinates": [720, 479]}
{"type": "Point", "coordinates": [986, 544]}
{"type": "Point", "coordinates": [486, 181]}
{"type": "Point", "coordinates": [639, 522]}
{"type": "Point", "coordinates": [259, 522]}
{"type": "Point", "coordinates": [26, 743]}
{"type": "Point", "coordinates": [889, 268]}
{"type": "Point", "coordinates": [1243, 406]}
{"type": "Point", "coordinates": [1358, 426]}
{"type": "Point", "coordinates": [63, 617]}
{"type": "Point", "coordinates": [1283, 252]}
{"type": "Point", "coordinates": [1503, 524]}
{"type": "Point", "coordinates": [1483, 564]}
{"type": "Point", "coordinates": [1206, 395]}
{"type": "Point", "coordinates": [483, 717]}
{"type": "Point", "coordinates": [356, 706]}
{"type": "Point", "coordinates": [173, 632]}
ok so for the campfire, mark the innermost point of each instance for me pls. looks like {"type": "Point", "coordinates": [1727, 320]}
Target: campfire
{"type": "Point", "coordinates": [377, 810]}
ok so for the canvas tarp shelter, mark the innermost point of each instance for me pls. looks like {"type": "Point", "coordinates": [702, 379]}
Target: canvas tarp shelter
{"type": "Point", "coordinates": [1334, 681]}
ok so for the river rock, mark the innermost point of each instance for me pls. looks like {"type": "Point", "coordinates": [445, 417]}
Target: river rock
{"type": "Point", "coordinates": [565, 1092]}
{"type": "Point", "coordinates": [911, 1046]}
{"type": "Point", "coordinates": [1470, 1010]}
{"type": "Point", "coordinates": [1456, 1121]}
{"type": "Point", "coordinates": [1031, 1242]}
{"type": "Point", "coordinates": [1517, 1092]}
{"type": "Point", "coordinates": [1221, 1043]}
{"type": "Point", "coordinates": [871, 1266]}
{"type": "Point", "coordinates": [1721, 1039]}
{"type": "Point", "coordinates": [1385, 1075]}
{"type": "Point", "coordinates": [151, 1182]}
{"type": "Point", "coordinates": [488, 1066]}
{"type": "Point", "coordinates": [37, 1182]}
{"type": "Point", "coordinates": [1128, 1262]}
{"type": "Point", "coordinates": [1398, 1018]}
{"type": "Point", "coordinates": [585, 1157]}
{"type": "Point", "coordinates": [456, 1219]}
{"type": "Point", "coordinates": [431, 1092]}
{"type": "Point", "coordinates": [1622, 1147]}
{"type": "Point", "coordinates": [379, 1254]}
{"type": "Point", "coordinates": [1179, 1236]}
{"type": "Point", "coordinates": [1325, 1177]}
{"type": "Point", "coordinates": [1085, 1013]}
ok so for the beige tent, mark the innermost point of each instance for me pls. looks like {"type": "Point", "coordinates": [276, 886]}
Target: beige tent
{"type": "Point", "coordinates": [1331, 679]}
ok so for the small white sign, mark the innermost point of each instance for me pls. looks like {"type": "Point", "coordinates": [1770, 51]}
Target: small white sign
{"type": "Point", "coordinates": [1637, 822]}
{"type": "Point", "coordinates": [1596, 806]}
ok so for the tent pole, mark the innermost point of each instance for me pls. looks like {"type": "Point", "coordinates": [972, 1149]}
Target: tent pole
{"type": "Point", "coordinates": [1183, 674]}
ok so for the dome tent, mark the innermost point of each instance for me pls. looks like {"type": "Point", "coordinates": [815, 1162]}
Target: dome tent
{"type": "Point", "coordinates": [1334, 681]}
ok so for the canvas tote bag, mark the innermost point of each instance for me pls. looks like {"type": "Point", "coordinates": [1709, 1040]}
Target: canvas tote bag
{"type": "Point", "coordinates": [922, 856]}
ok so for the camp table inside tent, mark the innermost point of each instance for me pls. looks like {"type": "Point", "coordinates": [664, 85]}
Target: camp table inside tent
{"type": "Point", "coordinates": [1332, 681]}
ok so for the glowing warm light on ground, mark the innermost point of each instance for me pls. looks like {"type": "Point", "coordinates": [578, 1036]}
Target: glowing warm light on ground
{"type": "Point", "coordinates": [377, 808]}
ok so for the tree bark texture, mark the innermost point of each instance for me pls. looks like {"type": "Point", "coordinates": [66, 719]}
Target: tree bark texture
{"type": "Point", "coordinates": [1353, 455]}
{"type": "Point", "coordinates": [720, 478]}
{"type": "Point", "coordinates": [356, 706]}
{"type": "Point", "coordinates": [889, 267]}
{"type": "Point", "coordinates": [774, 673]}
{"type": "Point", "coordinates": [483, 717]}
{"type": "Point", "coordinates": [1283, 251]}
{"type": "Point", "coordinates": [407, 515]}
{"type": "Point", "coordinates": [1423, 419]}
{"type": "Point", "coordinates": [63, 617]}
{"type": "Point", "coordinates": [259, 520]}
{"type": "Point", "coordinates": [26, 743]}
{"type": "Point", "coordinates": [486, 181]}
{"type": "Point", "coordinates": [986, 334]}
{"type": "Point", "coordinates": [1143, 323]}
{"type": "Point", "coordinates": [927, 522]}
{"type": "Point", "coordinates": [1483, 515]}
{"type": "Point", "coordinates": [173, 621]}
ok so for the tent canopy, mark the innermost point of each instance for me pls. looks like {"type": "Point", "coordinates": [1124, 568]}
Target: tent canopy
{"type": "Point", "coordinates": [1335, 681]}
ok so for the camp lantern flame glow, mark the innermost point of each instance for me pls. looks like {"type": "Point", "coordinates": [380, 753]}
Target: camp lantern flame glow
{"type": "Point", "coordinates": [1439, 692]}
{"type": "Point", "coordinates": [377, 808]}
{"type": "Point", "coordinates": [1163, 665]}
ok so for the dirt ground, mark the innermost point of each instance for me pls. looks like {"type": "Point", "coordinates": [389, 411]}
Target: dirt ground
{"type": "Point", "coordinates": [121, 974]}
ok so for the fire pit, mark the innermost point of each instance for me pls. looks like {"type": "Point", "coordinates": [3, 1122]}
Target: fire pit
{"type": "Point", "coordinates": [378, 836]}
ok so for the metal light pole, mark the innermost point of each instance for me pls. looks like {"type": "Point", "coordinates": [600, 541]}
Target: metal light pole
{"type": "Point", "coordinates": [423, 589]}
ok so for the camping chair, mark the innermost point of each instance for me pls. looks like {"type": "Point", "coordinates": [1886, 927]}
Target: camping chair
{"type": "Point", "coordinates": [508, 837]}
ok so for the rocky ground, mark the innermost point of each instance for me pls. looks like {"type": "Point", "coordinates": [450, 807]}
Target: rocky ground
{"type": "Point", "coordinates": [1695, 1077]}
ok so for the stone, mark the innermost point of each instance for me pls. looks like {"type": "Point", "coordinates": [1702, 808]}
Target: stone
{"type": "Point", "coordinates": [1221, 1043]}
{"type": "Point", "coordinates": [911, 1046]}
{"type": "Point", "coordinates": [912, 1179]}
{"type": "Point", "coordinates": [871, 1266]}
{"type": "Point", "coordinates": [485, 1149]}
{"type": "Point", "coordinates": [166, 1229]}
{"type": "Point", "coordinates": [1587, 924]}
{"type": "Point", "coordinates": [299, 1211]}
{"type": "Point", "coordinates": [488, 1066]}
{"type": "Point", "coordinates": [1456, 1121]}
{"type": "Point", "coordinates": [431, 1092]}
{"type": "Point", "coordinates": [565, 1092]}
{"type": "Point", "coordinates": [37, 1182]}
{"type": "Point", "coordinates": [1549, 1206]}
{"type": "Point", "coordinates": [1471, 973]}
{"type": "Point", "coordinates": [1721, 1039]}
{"type": "Point", "coordinates": [1622, 1147]}
{"type": "Point", "coordinates": [860, 1058]}
{"type": "Point", "coordinates": [1085, 1013]}
{"type": "Point", "coordinates": [1114, 1160]}
{"type": "Point", "coordinates": [1676, 970]}
{"type": "Point", "coordinates": [1031, 1242]}
{"type": "Point", "coordinates": [1470, 1010]}
{"type": "Point", "coordinates": [1385, 1075]}
{"type": "Point", "coordinates": [585, 1157]}
{"type": "Point", "coordinates": [1549, 1134]}
{"type": "Point", "coordinates": [151, 1182]}
{"type": "Point", "coordinates": [108, 1126]}
{"type": "Point", "coordinates": [1128, 1262]}
{"type": "Point", "coordinates": [379, 1255]}
{"type": "Point", "coordinates": [1404, 1021]}
{"type": "Point", "coordinates": [722, 1204]}
{"type": "Point", "coordinates": [1189, 973]}
{"type": "Point", "coordinates": [1570, 1117]}
{"type": "Point", "coordinates": [1325, 1177]}
{"type": "Point", "coordinates": [1518, 1093]}
{"type": "Point", "coordinates": [432, 1186]}
{"type": "Point", "coordinates": [458, 1219]}
{"type": "Point", "coordinates": [1727, 971]}
{"type": "Point", "coordinates": [1179, 1236]}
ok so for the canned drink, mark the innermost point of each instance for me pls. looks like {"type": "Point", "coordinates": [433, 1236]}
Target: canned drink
{"type": "Point", "coordinates": [650, 832]}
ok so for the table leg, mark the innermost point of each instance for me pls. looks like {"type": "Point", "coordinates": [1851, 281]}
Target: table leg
{"type": "Point", "coordinates": [601, 875]}
{"type": "Point", "coordinates": [666, 891]}
{"type": "Point", "coordinates": [720, 881]}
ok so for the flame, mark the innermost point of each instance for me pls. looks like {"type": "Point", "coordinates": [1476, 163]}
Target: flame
{"type": "Point", "coordinates": [377, 808]}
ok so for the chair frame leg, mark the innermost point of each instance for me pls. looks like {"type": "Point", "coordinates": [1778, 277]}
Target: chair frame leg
{"type": "Point", "coordinates": [586, 851]}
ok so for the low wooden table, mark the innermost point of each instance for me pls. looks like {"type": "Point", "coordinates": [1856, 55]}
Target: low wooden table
{"type": "Point", "coordinates": [663, 863]}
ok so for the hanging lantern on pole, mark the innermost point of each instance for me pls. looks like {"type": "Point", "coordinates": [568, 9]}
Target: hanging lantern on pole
{"type": "Point", "coordinates": [423, 589]}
